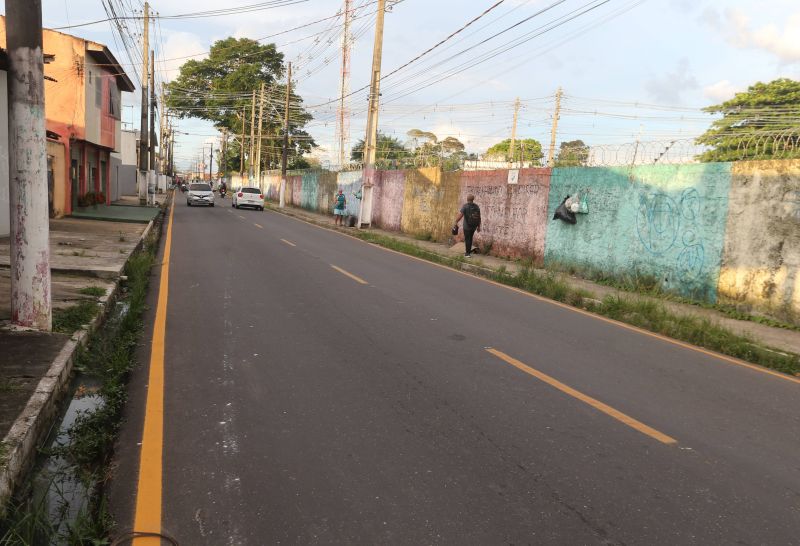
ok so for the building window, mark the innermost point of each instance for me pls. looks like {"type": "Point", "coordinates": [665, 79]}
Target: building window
{"type": "Point", "coordinates": [114, 109]}
{"type": "Point", "coordinates": [98, 93]}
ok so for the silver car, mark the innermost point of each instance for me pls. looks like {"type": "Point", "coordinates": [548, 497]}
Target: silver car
{"type": "Point", "coordinates": [199, 194]}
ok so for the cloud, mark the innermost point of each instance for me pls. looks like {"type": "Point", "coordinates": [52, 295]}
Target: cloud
{"type": "Point", "coordinates": [721, 90]}
{"type": "Point", "coordinates": [177, 46]}
{"type": "Point", "coordinates": [735, 25]}
{"type": "Point", "coordinates": [668, 88]}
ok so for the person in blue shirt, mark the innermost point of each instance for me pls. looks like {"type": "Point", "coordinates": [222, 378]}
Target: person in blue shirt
{"type": "Point", "coordinates": [339, 209]}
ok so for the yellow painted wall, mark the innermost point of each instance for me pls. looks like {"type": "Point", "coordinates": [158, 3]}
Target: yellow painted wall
{"type": "Point", "coordinates": [430, 202]}
{"type": "Point", "coordinates": [761, 257]}
{"type": "Point", "coordinates": [56, 149]}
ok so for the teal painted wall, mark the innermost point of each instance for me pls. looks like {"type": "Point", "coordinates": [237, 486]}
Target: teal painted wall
{"type": "Point", "coordinates": [664, 221]}
{"type": "Point", "coordinates": [308, 190]}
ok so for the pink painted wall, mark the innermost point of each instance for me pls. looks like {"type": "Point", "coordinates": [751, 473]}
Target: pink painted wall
{"type": "Point", "coordinates": [387, 200]}
{"type": "Point", "coordinates": [514, 216]}
{"type": "Point", "coordinates": [295, 182]}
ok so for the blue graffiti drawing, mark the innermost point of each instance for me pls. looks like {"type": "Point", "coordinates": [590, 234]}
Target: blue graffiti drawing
{"type": "Point", "coordinates": [691, 261]}
{"type": "Point", "coordinates": [690, 204]}
{"type": "Point", "coordinates": [657, 222]}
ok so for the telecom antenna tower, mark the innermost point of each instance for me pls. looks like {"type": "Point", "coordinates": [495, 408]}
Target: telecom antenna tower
{"type": "Point", "coordinates": [343, 111]}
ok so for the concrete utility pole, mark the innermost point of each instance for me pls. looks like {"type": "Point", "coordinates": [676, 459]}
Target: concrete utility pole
{"type": "Point", "coordinates": [241, 148]}
{"type": "Point", "coordinates": [252, 139]}
{"type": "Point", "coordinates": [552, 153]}
{"type": "Point", "coordinates": [514, 131]}
{"type": "Point", "coordinates": [371, 140]}
{"type": "Point", "coordinates": [162, 124]}
{"type": "Point", "coordinates": [285, 150]}
{"type": "Point", "coordinates": [223, 164]}
{"type": "Point", "coordinates": [31, 305]}
{"type": "Point", "coordinates": [260, 127]}
{"type": "Point", "coordinates": [211, 165]}
{"type": "Point", "coordinates": [143, 132]}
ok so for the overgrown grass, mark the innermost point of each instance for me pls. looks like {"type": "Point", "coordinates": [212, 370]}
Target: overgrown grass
{"type": "Point", "coordinates": [95, 291]}
{"type": "Point", "coordinates": [646, 314]}
{"type": "Point", "coordinates": [109, 357]}
{"type": "Point", "coordinates": [71, 319]}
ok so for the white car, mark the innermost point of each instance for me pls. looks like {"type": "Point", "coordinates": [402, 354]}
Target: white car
{"type": "Point", "coordinates": [199, 194]}
{"type": "Point", "coordinates": [248, 196]}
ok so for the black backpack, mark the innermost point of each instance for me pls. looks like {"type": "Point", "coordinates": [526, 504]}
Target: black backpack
{"type": "Point", "coordinates": [472, 215]}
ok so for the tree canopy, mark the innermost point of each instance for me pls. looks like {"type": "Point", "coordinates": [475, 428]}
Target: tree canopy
{"type": "Point", "coordinates": [388, 149]}
{"type": "Point", "coordinates": [219, 89]}
{"type": "Point", "coordinates": [528, 149]}
{"type": "Point", "coordinates": [572, 153]}
{"type": "Point", "coordinates": [760, 123]}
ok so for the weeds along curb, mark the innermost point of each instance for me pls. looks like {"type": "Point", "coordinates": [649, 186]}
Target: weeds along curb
{"type": "Point", "coordinates": [647, 317]}
{"type": "Point", "coordinates": [19, 447]}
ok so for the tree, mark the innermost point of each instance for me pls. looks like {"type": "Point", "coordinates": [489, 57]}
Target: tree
{"type": "Point", "coordinates": [528, 149]}
{"type": "Point", "coordinates": [758, 123]}
{"type": "Point", "coordinates": [387, 151]}
{"type": "Point", "coordinates": [219, 89]}
{"type": "Point", "coordinates": [572, 153]}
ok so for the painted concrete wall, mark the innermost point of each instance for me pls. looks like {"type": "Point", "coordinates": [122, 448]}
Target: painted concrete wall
{"type": "Point", "coordinates": [388, 195]}
{"type": "Point", "coordinates": [430, 203]}
{"type": "Point", "coordinates": [665, 221]}
{"type": "Point", "coordinates": [761, 260]}
{"type": "Point", "coordinates": [350, 183]}
{"type": "Point", "coordinates": [5, 211]}
{"type": "Point", "coordinates": [513, 216]}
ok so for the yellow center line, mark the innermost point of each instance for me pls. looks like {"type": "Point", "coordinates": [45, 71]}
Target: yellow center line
{"type": "Point", "coordinates": [259, 226]}
{"type": "Point", "coordinates": [288, 242]}
{"type": "Point", "coordinates": [343, 272]}
{"type": "Point", "coordinates": [148, 493]}
{"type": "Point", "coordinates": [608, 410]}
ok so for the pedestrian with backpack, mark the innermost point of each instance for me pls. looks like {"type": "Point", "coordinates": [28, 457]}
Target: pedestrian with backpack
{"type": "Point", "coordinates": [471, 213]}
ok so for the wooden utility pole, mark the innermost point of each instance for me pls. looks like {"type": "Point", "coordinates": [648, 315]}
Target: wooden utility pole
{"type": "Point", "coordinates": [211, 166]}
{"type": "Point", "coordinates": [162, 135]}
{"type": "Point", "coordinates": [371, 140]}
{"type": "Point", "coordinates": [252, 138]}
{"type": "Point", "coordinates": [554, 131]}
{"type": "Point", "coordinates": [31, 303]}
{"type": "Point", "coordinates": [223, 164]}
{"type": "Point", "coordinates": [241, 148]}
{"type": "Point", "coordinates": [285, 150]}
{"type": "Point", "coordinates": [260, 127]}
{"type": "Point", "coordinates": [512, 148]}
{"type": "Point", "coordinates": [143, 131]}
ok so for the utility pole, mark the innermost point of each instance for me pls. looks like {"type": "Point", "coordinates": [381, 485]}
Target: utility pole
{"type": "Point", "coordinates": [152, 180]}
{"type": "Point", "coordinates": [31, 304]}
{"type": "Point", "coordinates": [260, 126]}
{"type": "Point", "coordinates": [343, 117]}
{"type": "Point", "coordinates": [285, 150]}
{"type": "Point", "coordinates": [162, 119]}
{"type": "Point", "coordinates": [143, 131]}
{"type": "Point", "coordinates": [224, 159]}
{"type": "Point", "coordinates": [252, 139]}
{"type": "Point", "coordinates": [211, 166]}
{"type": "Point", "coordinates": [551, 154]}
{"type": "Point", "coordinates": [370, 142]}
{"type": "Point", "coordinates": [514, 132]}
{"type": "Point", "coordinates": [241, 148]}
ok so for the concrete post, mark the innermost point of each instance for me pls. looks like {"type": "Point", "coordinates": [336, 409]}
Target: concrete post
{"type": "Point", "coordinates": [30, 238]}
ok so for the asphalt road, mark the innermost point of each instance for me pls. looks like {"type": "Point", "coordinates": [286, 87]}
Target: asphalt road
{"type": "Point", "coordinates": [306, 404]}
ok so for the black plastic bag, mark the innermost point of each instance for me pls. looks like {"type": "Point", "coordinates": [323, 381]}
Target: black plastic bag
{"type": "Point", "coordinates": [563, 213]}
{"type": "Point", "coordinates": [454, 231]}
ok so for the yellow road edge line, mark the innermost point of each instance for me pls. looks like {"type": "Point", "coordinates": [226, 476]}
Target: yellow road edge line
{"type": "Point", "coordinates": [695, 348]}
{"type": "Point", "coordinates": [149, 488]}
{"type": "Point", "coordinates": [288, 242]}
{"type": "Point", "coordinates": [343, 272]}
{"type": "Point", "coordinates": [259, 226]}
{"type": "Point", "coordinates": [585, 398]}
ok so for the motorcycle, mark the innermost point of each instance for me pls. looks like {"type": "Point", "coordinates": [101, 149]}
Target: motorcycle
{"type": "Point", "coordinates": [222, 192]}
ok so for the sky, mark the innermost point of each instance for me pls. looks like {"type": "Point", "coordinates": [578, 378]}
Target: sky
{"type": "Point", "coordinates": [630, 70]}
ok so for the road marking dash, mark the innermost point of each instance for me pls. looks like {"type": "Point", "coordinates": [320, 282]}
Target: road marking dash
{"type": "Point", "coordinates": [240, 216]}
{"type": "Point", "coordinates": [347, 274]}
{"type": "Point", "coordinates": [605, 408]}
{"type": "Point", "coordinates": [259, 226]}
{"type": "Point", "coordinates": [288, 242]}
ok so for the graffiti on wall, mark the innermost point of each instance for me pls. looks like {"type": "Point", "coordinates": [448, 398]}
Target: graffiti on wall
{"type": "Point", "coordinates": [664, 224]}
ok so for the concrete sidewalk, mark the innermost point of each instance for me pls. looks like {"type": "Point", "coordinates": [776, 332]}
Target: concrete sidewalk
{"type": "Point", "coordinates": [35, 367]}
{"type": "Point", "coordinates": [781, 339]}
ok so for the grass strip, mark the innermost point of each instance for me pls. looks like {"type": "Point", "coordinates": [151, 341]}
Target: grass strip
{"type": "Point", "coordinates": [95, 291]}
{"type": "Point", "coordinates": [71, 319]}
{"type": "Point", "coordinates": [645, 314]}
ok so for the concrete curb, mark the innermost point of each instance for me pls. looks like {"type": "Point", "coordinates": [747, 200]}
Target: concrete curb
{"type": "Point", "coordinates": [18, 448]}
